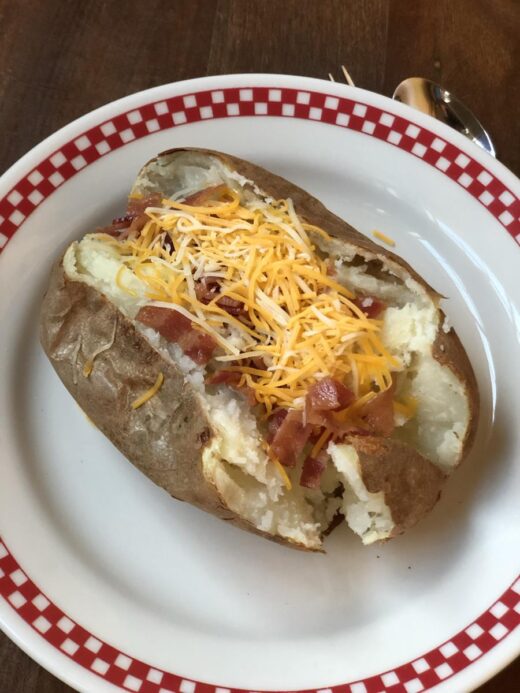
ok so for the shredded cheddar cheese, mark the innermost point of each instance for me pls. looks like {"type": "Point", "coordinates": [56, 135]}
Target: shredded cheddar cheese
{"type": "Point", "coordinates": [320, 443]}
{"type": "Point", "coordinates": [407, 408]}
{"type": "Point", "coordinates": [283, 474]}
{"type": "Point", "coordinates": [149, 393]}
{"type": "Point", "coordinates": [279, 467]}
{"type": "Point", "coordinates": [297, 321]}
{"type": "Point", "coordinates": [383, 237]}
{"type": "Point", "coordinates": [89, 363]}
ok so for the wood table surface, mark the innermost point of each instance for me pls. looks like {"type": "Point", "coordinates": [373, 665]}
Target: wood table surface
{"type": "Point", "coordinates": [60, 59]}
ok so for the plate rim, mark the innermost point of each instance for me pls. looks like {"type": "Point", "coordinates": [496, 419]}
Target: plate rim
{"type": "Point", "coordinates": [317, 108]}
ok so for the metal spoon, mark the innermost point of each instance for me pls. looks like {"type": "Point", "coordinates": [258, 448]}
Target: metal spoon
{"type": "Point", "coordinates": [432, 99]}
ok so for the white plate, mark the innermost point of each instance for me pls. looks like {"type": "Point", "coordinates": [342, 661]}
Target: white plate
{"type": "Point", "coordinates": [107, 581]}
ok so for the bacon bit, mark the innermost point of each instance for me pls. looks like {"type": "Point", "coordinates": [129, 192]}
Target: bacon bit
{"type": "Point", "coordinates": [371, 306]}
{"type": "Point", "coordinates": [258, 362]}
{"type": "Point", "coordinates": [313, 468]}
{"type": "Point", "coordinates": [328, 394]}
{"type": "Point", "coordinates": [122, 226]}
{"type": "Point", "coordinates": [249, 393]}
{"type": "Point", "coordinates": [290, 439]}
{"type": "Point", "coordinates": [279, 468]}
{"type": "Point", "coordinates": [134, 219]}
{"type": "Point", "coordinates": [123, 222]}
{"type": "Point", "coordinates": [377, 414]}
{"type": "Point", "coordinates": [167, 244]}
{"type": "Point", "coordinates": [118, 225]}
{"type": "Point", "coordinates": [202, 196]}
{"type": "Point", "coordinates": [274, 422]}
{"type": "Point", "coordinates": [232, 379]}
{"type": "Point", "coordinates": [355, 431]}
{"type": "Point", "coordinates": [231, 305]}
{"type": "Point", "coordinates": [208, 288]}
{"type": "Point", "coordinates": [175, 327]}
{"type": "Point", "coordinates": [331, 268]}
{"type": "Point", "coordinates": [325, 397]}
{"type": "Point", "coordinates": [137, 206]}
{"type": "Point", "coordinates": [224, 377]}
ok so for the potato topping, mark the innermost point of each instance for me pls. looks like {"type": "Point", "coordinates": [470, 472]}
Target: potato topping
{"type": "Point", "coordinates": [248, 274]}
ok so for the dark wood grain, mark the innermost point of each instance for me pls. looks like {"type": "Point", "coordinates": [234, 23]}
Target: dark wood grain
{"type": "Point", "coordinates": [59, 60]}
{"type": "Point", "coordinates": [471, 47]}
{"type": "Point", "coordinates": [306, 38]}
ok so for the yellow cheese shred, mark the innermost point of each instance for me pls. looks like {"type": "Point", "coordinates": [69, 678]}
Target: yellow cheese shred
{"type": "Point", "coordinates": [89, 363]}
{"type": "Point", "coordinates": [149, 393]}
{"type": "Point", "coordinates": [279, 467]}
{"type": "Point", "coordinates": [407, 407]}
{"type": "Point", "coordinates": [383, 237]}
{"type": "Point", "coordinates": [320, 443]}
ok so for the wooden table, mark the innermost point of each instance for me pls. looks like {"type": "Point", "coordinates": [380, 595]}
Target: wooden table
{"type": "Point", "coordinates": [59, 60]}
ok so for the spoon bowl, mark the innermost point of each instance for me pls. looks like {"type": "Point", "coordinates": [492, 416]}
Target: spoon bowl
{"type": "Point", "coordinates": [432, 99]}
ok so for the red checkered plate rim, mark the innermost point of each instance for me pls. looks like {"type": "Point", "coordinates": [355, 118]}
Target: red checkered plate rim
{"type": "Point", "coordinates": [399, 127]}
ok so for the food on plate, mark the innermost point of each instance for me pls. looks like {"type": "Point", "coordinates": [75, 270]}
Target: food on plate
{"type": "Point", "coordinates": [254, 355]}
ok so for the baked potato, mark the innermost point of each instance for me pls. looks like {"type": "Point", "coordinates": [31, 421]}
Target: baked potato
{"type": "Point", "coordinates": [256, 356]}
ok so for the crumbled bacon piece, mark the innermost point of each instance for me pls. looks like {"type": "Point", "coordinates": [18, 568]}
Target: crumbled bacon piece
{"type": "Point", "coordinates": [313, 468]}
{"type": "Point", "coordinates": [377, 414]}
{"type": "Point", "coordinates": [231, 305]}
{"type": "Point", "coordinates": [175, 327]}
{"type": "Point", "coordinates": [274, 422]}
{"type": "Point", "coordinates": [224, 377]}
{"type": "Point", "coordinates": [232, 379]}
{"type": "Point", "coordinates": [290, 438]}
{"type": "Point", "coordinates": [203, 196]}
{"type": "Point", "coordinates": [258, 363]}
{"type": "Point", "coordinates": [137, 206]}
{"type": "Point", "coordinates": [323, 399]}
{"type": "Point", "coordinates": [123, 222]}
{"type": "Point", "coordinates": [328, 394]}
{"type": "Point", "coordinates": [134, 219]}
{"type": "Point", "coordinates": [331, 268]}
{"type": "Point", "coordinates": [208, 288]}
{"type": "Point", "coordinates": [167, 244]}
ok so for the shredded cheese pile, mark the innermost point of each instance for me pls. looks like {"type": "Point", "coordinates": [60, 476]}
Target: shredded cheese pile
{"type": "Point", "coordinates": [300, 321]}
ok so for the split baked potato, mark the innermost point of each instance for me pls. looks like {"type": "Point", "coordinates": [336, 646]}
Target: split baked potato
{"type": "Point", "coordinates": [256, 356]}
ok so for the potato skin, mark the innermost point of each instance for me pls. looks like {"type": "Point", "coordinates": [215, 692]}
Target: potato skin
{"type": "Point", "coordinates": [411, 484]}
{"type": "Point", "coordinates": [166, 436]}
{"type": "Point", "coordinates": [163, 438]}
{"type": "Point", "coordinates": [447, 349]}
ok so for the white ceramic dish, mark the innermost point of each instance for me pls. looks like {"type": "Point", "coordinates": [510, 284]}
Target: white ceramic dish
{"type": "Point", "coordinates": [109, 583]}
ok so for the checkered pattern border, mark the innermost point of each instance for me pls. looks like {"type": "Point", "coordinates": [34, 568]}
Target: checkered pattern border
{"type": "Point", "coordinates": [17, 588]}
{"type": "Point", "coordinates": [104, 138]}
{"type": "Point", "coordinates": [134, 675]}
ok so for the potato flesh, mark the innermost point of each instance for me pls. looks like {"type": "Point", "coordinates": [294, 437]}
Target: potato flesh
{"type": "Point", "coordinates": [409, 331]}
{"type": "Point", "coordinates": [235, 460]}
{"type": "Point", "coordinates": [289, 516]}
{"type": "Point", "coordinates": [366, 513]}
